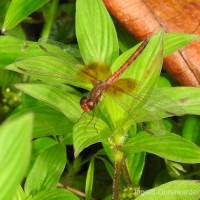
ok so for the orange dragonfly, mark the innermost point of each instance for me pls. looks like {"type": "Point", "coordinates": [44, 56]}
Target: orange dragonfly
{"type": "Point", "coordinates": [69, 68]}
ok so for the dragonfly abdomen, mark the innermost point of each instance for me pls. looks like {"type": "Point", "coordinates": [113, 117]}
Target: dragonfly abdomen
{"type": "Point", "coordinates": [118, 73]}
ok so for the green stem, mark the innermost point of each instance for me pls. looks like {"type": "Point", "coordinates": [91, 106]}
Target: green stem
{"type": "Point", "coordinates": [117, 173]}
{"type": "Point", "coordinates": [50, 19]}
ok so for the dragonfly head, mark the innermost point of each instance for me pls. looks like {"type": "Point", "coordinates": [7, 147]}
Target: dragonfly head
{"type": "Point", "coordinates": [87, 104]}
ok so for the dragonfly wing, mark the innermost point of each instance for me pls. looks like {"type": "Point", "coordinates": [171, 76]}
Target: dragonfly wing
{"type": "Point", "coordinates": [69, 55]}
{"type": "Point", "coordinates": [139, 115]}
{"type": "Point", "coordinates": [127, 93]}
{"type": "Point", "coordinates": [49, 68]}
{"type": "Point", "coordinates": [65, 53]}
{"type": "Point", "coordinates": [163, 104]}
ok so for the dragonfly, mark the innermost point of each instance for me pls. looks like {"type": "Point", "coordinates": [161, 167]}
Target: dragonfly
{"type": "Point", "coordinates": [121, 90]}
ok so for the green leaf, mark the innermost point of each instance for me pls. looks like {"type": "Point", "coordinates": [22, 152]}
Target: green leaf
{"type": "Point", "coordinates": [15, 143]}
{"type": "Point", "coordinates": [175, 41]}
{"type": "Point", "coordinates": [61, 194]}
{"type": "Point", "coordinates": [163, 82]}
{"type": "Point", "coordinates": [89, 131]}
{"type": "Point", "coordinates": [19, 10]}
{"type": "Point", "coordinates": [95, 31]}
{"type": "Point", "coordinates": [50, 122]}
{"type": "Point", "coordinates": [169, 146]}
{"type": "Point", "coordinates": [191, 129]}
{"type": "Point", "coordinates": [4, 4]}
{"type": "Point", "coordinates": [89, 180]}
{"type": "Point", "coordinates": [40, 145]}
{"type": "Point", "coordinates": [46, 170]}
{"type": "Point", "coordinates": [12, 48]}
{"type": "Point", "coordinates": [47, 121]}
{"type": "Point", "coordinates": [181, 189]}
{"type": "Point", "coordinates": [135, 164]}
{"type": "Point", "coordinates": [187, 97]}
{"type": "Point", "coordinates": [20, 195]}
{"type": "Point", "coordinates": [60, 100]}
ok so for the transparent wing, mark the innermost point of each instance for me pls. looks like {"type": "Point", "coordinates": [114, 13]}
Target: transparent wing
{"type": "Point", "coordinates": [72, 56]}
{"type": "Point", "coordinates": [143, 105]}
{"type": "Point", "coordinates": [65, 53]}
{"type": "Point", "coordinates": [49, 68]}
{"type": "Point", "coordinates": [52, 68]}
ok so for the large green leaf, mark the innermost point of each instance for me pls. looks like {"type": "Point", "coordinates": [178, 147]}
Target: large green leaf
{"type": "Point", "coordinates": [180, 189]}
{"type": "Point", "coordinates": [57, 194]}
{"type": "Point", "coordinates": [95, 31]}
{"type": "Point", "coordinates": [19, 10]}
{"type": "Point", "coordinates": [169, 146]}
{"type": "Point", "coordinates": [46, 170]}
{"type": "Point", "coordinates": [12, 48]}
{"type": "Point", "coordinates": [15, 143]}
{"type": "Point", "coordinates": [60, 100]}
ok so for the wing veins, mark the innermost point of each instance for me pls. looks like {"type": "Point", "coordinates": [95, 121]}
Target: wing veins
{"type": "Point", "coordinates": [151, 102]}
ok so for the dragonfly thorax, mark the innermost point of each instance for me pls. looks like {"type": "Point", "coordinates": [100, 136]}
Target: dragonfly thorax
{"type": "Point", "coordinates": [87, 104]}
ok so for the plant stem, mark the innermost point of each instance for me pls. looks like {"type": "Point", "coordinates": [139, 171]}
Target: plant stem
{"type": "Point", "coordinates": [117, 172]}
{"type": "Point", "coordinates": [50, 19]}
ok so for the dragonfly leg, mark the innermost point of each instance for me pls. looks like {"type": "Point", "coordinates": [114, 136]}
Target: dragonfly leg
{"type": "Point", "coordinates": [93, 112]}
{"type": "Point", "coordinates": [97, 117]}
{"type": "Point", "coordinates": [81, 117]}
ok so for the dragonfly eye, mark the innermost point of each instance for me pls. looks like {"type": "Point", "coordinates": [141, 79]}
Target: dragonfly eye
{"type": "Point", "coordinates": [87, 104]}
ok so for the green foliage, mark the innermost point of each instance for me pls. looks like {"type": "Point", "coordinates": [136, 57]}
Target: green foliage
{"type": "Point", "coordinates": [19, 10]}
{"type": "Point", "coordinates": [60, 194]}
{"type": "Point", "coordinates": [191, 129]}
{"type": "Point", "coordinates": [94, 16]}
{"type": "Point", "coordinates": [52, 160]}
{"type": "Point", "coordinates": [173, 190]}
{"type": "Point", "coordinates": [12, 48]}
{"type": "Point", "coordinates": [169, 146]}
{"type": "Point", "coordinates": [89, 180]}
{"type": "Point", "coordinates": [15, 142]}
{"type": "Point", "coordinates": [40, 71]}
